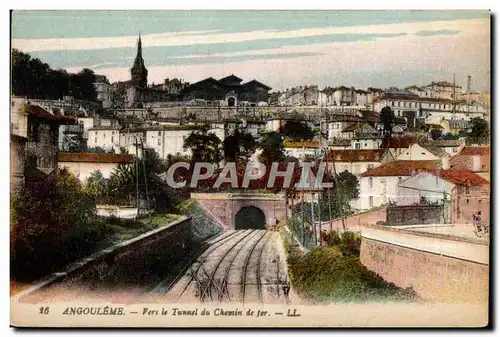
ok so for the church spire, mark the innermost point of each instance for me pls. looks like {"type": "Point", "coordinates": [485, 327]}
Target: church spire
{"type": "Point", "coordinates": [139, 72]}
{"type": "Point", "coordinates": [139, 46]}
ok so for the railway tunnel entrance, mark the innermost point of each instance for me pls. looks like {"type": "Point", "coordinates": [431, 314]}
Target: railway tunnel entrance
{"type": "Point", "coordinates": [250, 217]}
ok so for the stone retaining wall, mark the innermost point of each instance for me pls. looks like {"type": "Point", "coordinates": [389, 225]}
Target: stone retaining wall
{"type": "Point", "coordinates": [438, 267]}
{"type": "Point", "coordinates": [136, 262]}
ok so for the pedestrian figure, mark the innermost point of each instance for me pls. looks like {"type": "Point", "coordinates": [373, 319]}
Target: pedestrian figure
{"type": "Point", "coordinates": [476, 219]}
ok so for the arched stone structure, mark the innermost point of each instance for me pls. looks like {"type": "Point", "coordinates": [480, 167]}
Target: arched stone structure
{"type": "Point", "coordinates": [224, 207]}
{"type": "Point", "coordinates": [250, 217]}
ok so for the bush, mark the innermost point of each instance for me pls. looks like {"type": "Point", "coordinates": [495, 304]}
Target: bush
{"type": "Point", "coordinates": [52, 222]}
{"type": "Point", "coordinates": [348, 243]}
{"type": "Point", "coordinates": [326, 274]}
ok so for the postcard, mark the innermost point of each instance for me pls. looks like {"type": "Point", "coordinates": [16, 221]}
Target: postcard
{"type": "Point", "coordinates": [202, 168]}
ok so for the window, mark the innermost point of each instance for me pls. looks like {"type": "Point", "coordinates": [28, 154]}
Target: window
{"type": "Point", "coordinates": [371, 166]}
{"type": "Point", "coordinates": [159, 141]}
{"type": "Point", "coordinates": [104, 135]}
{"type": "Point", "coordinates": [400, 179]}
{"type": "Point", "coordinates": [467, 191]}
{"type": "Point", "coordinates": [159, 133]}
{"type": "Point", "coordinates": [371, 201]}
{"type": "Point", "coordinates": [112, 139]}
{"type": "Point", "coordinates": [95, 139]}
{"type": "Point", "coordinates": [467, 201]}
{"type": "Point", "coordinates": [357, 146]}
{"type": "Point", "coordinates": [370, 182]}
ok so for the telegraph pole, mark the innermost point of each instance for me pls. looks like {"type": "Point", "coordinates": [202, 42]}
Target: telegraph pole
{"type": "Point", "coordinates": [137, 175]}
{"type": "Point", "coordinates": [145, 176]}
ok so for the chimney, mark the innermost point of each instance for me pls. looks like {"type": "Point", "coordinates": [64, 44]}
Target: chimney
{"type": "Point", "coordinates": [476, 163]}
{"type": "Point", "coordinates": [445, 163]}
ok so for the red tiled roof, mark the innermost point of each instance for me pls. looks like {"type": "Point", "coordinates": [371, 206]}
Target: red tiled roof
{"type": "Point", "coordinates": [461, 177]}
{"type": "Point", "coordinates": [475, 150]}
{"type": "Point", "coordinates": [355, 155]}
{"type": "Point", "coordinates": [401, 168]}
{"type": "Point", "coordinates": [399, 142]}
{"type": "Point", "coordinates": [85, 157]}
{"type": "Point", "coordinates": [307, 144]}
{"type": "Point", "coordinates": [40, 112]}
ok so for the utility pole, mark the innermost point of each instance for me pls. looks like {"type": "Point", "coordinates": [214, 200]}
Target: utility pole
{"type": "Point", "coordinates": [137, 175]}
{"type": "Point", "coordinates": [303, 220]}
{"type": "Point", "coordinates": [145, 176]}
{"type": "Point", "coordinates": [312, 220]}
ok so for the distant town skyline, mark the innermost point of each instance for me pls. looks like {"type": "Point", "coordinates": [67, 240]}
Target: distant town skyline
{"type": "Point", "coordinates": [280, 48]}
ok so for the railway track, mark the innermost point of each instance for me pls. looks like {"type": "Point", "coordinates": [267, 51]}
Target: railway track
{"type": "Point", "coordinates": [236, 266]}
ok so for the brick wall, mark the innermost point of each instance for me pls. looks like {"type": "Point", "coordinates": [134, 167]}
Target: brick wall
{"type": "Point", "coordinates": [437, 268]}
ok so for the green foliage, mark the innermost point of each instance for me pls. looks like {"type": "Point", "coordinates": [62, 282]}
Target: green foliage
{"type": "Point", "coordinates": [273, 150]}
{"type": "Point", "coordinates": [53, 222]}
{"type": "Point", "coordinates": [450, 136]}
{"type": "Point", "coordinates": [480, 131]}
{"type": "Point", "coordinates": [436, 134]}
{"type": "Point", "coordinates": [35, 79]}
{"type": "Point", "coordinates": [387, 119]}
{"type": "Point", "coordinates": [205, 146]}
{"type": "Point", "coordinates": [297, 130]}
{"type": "Point", "coordinates": [335, 200]}
{"type": "Point", "coordinates": [239, 146]}
{"type": "Point", "coordinates": [325, 274]}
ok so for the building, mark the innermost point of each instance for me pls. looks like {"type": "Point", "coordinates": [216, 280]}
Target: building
{"type": "Point", "coordinates": [379, 186]}
{"type": "Point", "coordinates": [356, 161]}
{"type": "Point", "coordinates": [34, 141]}
{"type": "Point", "coordinates": [165, 140]}
{"type": "Point", "coordinates": [425, 151]}
{"type": "Point", "coordinates": [106, 137]}
{"type": "Point", "coordinates": [451, 146]}
{"type": "Point", "coordinates": [17, 162]}
{"type": "Point", "coordinates": [171, 86]}
{"type": "Point", "coordinates": [473, 158]}
{"type": "Point", "coordinates": [461, 192]}
{"type": "Point", "coordinates": [139, 73]}
{"type": "Point", "coordinates": [444, 89]}
{"type": "Point", "coordinates": [82, 164]}
{"type": "Point", "coordinates": [398, 145]}
{"type": "Point", "coordinates": [302, 150]}
{"type": "Point", "coordinates": [404, 103]}
{"type": "Point", "coordinates": [227, 91]}
{"type": "Point", "coordinates": [104, 92]}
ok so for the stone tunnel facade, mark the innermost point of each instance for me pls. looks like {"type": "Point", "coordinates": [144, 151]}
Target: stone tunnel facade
{"type": "Point", "coordinates": [223, 207]}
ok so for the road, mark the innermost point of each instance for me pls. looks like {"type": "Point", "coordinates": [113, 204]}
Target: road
{"type": "Point", "coordinates": [239, 266]}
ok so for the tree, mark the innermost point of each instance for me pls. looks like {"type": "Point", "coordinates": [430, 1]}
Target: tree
{"type": "Point", "coordinates": [239, 146]}
{"type": "Point", "coordinates": [54, 221]}
{"type": "Point", "coordinates": [97, 186]}
{"type": "Point", "coordinates": [297, 130]}
{"type": "Point", "coordinates": [273, 150]}
{"type": "Point", "coordinates": [204, 146]}
{"type": "Point", "coordinates": [387, 119]}
{"type": "Point", "coordinates": [480, 131]}
{"type": "Point", "coordinates": [33, 78]}
{"type": "Point", "coordinates": [436, 134]}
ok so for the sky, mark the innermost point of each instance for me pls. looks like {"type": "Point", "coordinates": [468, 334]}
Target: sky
{"type": "Point", "coordinates": [279, 48]}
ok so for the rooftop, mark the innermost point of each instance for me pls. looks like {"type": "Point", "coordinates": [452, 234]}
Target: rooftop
{"type": "Point", "coordinates": [86, 157]}
{"type": "Point", "coordinates": [475, 150]}
{"type": "Point", "coordinates": [460, 177]}
{"type": "Point", "coordinates": [401, 168]}
{"type": "Point", "coordinates": [37, 111]}
{"type": "Point", "coordinates": [306, 144]}
{"type": "Point", "coordinates": [355, 155]}
{"type": "Point", "coordinates": [399, 142]}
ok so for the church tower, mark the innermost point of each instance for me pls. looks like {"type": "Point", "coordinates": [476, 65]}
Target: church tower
{"type": "Point", "coordinates": [139, 71]}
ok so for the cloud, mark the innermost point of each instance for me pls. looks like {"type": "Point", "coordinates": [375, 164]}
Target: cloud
{"type": "Point", "coordinates": [437, 32]}
{"type": "Point", "coordinates": [399, 61]}
{"type": "Point", "coordinates": [188, 38]}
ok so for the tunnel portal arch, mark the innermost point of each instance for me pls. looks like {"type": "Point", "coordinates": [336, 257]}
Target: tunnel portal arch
{"type": "Point", "coordinates": [250, 217]}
